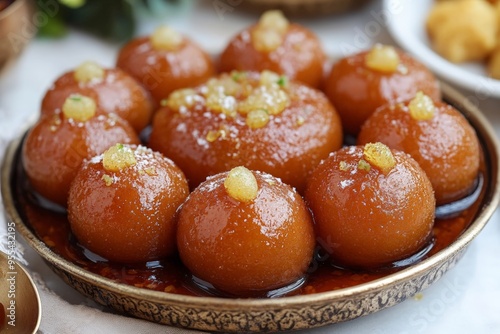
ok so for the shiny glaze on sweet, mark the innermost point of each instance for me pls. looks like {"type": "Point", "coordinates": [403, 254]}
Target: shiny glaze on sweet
{"type": "Point", "coordinates": [289, 146]}
{"type": "Point", "coordinates": [56, 147]}
{"type": "Point", "coordinates": [370, 218]}
{"type": "Point", "coordinates": [244, 247]}
{"type": "Point", "coordinates": [356, 90]}
{"type": "Point", "coordinates": [128, 215]}
{"type": "Point", "coordinates": [445, 146]}
{"type": "Point", "coordinates": [300, 57]}
{"type": "Point", "coordinates": [171, 276]}
{"type": "Point", "coordinates": [162, 71]}
{"type": "Point", "coordinates": [117, 93]}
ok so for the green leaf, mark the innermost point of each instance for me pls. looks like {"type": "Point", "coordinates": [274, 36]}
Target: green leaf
{"type": "Point", "coordinates": [55, 27]}
{"type": "Point", "coordinates": [73, 3]}
{"type": "Point", "coordinates": [108, 19]}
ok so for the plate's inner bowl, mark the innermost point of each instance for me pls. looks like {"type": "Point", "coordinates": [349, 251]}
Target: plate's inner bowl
{"type": "Point", "coordinates": [164, 292]}
{"type": "Point", "coordinates": [51, 226]}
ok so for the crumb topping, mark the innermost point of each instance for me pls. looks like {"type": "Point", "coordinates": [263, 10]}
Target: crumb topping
{"type": "Point", "coordinates": [241, 184]}
{"type": "Point", "coordinates": [421, 107]}
{"type": "Point", "coordinates": [269, 33]}
{"type": "Point", "coordinates": [343, 166]}
{"type": "Point", "coordinates": [89, 71]}
{"type": "Point", "coordinates": [79, 107]}
{"type": "Point", "coordinates": [300, 120]}
{"type": "Point", "coordinates": [363, 165]}
{"type": "Point", "coordinates": [257, 118]}
{"type": "Point", "coordinates": [118, 157]}
{"type": "Point", "coordinates": [178, 99]}
{"type": "Point", "coordinates": [383, 58]}
{"type": "Point", "coordinates": [255, 98]}
{"type": "Point", "coordinates": [166, 38]}
{"type": "Point", "coordinates": [107, 179]}
{"type": "Point", "coordinates": [380, 156]}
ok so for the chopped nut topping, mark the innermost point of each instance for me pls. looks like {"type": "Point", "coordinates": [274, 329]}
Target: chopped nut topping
{"type": "Point", "coordinates": [237, 76]}
{"type": "Point", "coordinates": [270, 98]}
{"type": "Point", "coordinates": [225, 85]}
{"type": "Point", "coordinates": [151, 171]}
{"type": "Point", "coordinates": [223, 104]}
{"type": "Point", "coordinates": [300, 121]}
{"type": "Point", "coordinates": [270, 182]}
{"type": "Point", "coordinates": [165, 38]}
{"type": "Point", "coordinates": [235, 93]}
{"type": "Point", "coordinates": [269, 33]}
{"type": "Point", "coordinates": [78, 107]}
{"type": "Point", "coordinates": [180, 98]}
{"type": "Point", "coordinates": [382, 58]}
{"type": "Point", "coordinates": [268, 78]}
{"type": "Point", "coordinates": [118, 157]}
{"type": "Point", "coordinates": [274, 20]}
{"type": "Point", "coordinates": [241, 184]}
{"type": "Point", "coordinates": [107, 179]}
{"type": "Point", "coordinates": [343, 166]}
{"type": "Point", "coordinates": [212, 136]}
{"type": "Point", "coordinates": [363, 165]}
{"type": "Point", "coordinates": [283, 81]}
{"type": "Point", "coordinates": [88, 71]}
{"type": "Point", "coordinates": [380, 156]}
{"type": "Point", "coordinates": [266, 40]}
{"type": "Point", "coordinates": [421, 107]}
{"type": "Point", "coordinates": [257, 118]}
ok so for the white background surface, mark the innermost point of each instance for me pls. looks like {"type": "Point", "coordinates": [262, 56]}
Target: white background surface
{"type": "Point", "coordinates": [466, 300]}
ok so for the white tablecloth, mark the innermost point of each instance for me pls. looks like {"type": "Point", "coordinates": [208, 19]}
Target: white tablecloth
{"type": "Point", "coordinates": [464, 301]}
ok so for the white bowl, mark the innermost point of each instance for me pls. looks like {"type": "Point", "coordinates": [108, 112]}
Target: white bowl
{"type": "Point", "coordinates": [406, 23]}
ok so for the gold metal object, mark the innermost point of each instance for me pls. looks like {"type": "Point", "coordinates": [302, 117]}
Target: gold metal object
{"type": "Point", "coordinates": [19, 297]}
{"type": "Point", "coordinates": [285, 313]}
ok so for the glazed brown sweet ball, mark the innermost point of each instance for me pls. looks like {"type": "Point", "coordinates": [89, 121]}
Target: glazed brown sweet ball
{"type": "Point", "coordinates": [275, 44]}
{"type": "Point", "coordinates": [122, 204]}
{"type": "Point", "coordinates": [371, 206]}
{"type": "Point", "coordinates": [436, 135]}
{"type": "Point", "coordinates": [56, 146]}
{"type": "Point", "coordinates": [359, 84]}
{"type": "Point", "coordinates": [113, 90]}
{"type": "Point", "coordinates": [258, 120]}
{"type": "Point", "coordinates": [245, 233]}
{"type": "Point", "coordinates": [165, 61]}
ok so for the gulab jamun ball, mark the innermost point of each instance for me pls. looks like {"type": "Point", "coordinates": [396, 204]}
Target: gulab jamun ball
{"type": "Point", "coordinates": [437, 136]}
{"type": "Point", "coordinates": [359, 84]}
{"type": "Point", "coordinates": [113, 90]}
{"type": "Point", "coordinates": [261, 121]}
{"type": "Point", "coordinates": [122, 204]}
{"type": "Point", "coordinates": [246, 233]}
{"type": "Point", "coordinates": [275, 44]}
{"type": "Point", "coordinates": [57, 145]}
{"type": "Point", "coordinates": [165, 61]}
{"type": "Point", "coordinates": [372, 206]}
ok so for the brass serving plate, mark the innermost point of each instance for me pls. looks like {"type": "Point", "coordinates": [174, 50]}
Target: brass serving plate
{"type": "Point", "coordinates": [28, 309]}
{"type": "Point", "coordinates": [285, 313]}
